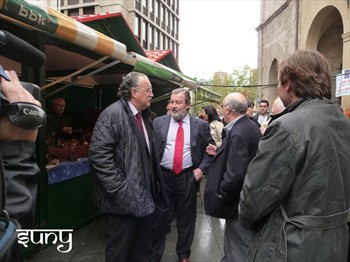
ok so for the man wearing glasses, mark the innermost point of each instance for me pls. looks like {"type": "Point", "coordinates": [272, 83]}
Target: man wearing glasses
{"type": "Point", "coordinates": [128, 185]}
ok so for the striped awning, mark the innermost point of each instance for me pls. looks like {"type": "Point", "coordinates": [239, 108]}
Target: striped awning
{"type": "Point", "coordinates": [38, 16]}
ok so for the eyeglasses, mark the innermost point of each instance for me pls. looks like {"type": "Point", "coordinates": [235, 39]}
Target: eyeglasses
{"type": "Point", "coordinates": [148, 90]}
{"type": "Point", "coordinates": [222, 106]}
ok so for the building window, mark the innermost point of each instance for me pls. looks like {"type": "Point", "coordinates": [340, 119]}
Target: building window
{"type": "Point", "coordinates": [73, 2]}
{"type": "Point", "coordinates": [73, 12]}
{"type": "Point", "coordinates": [176, 28]}
{"type": "Point", "coordinates": [62, 3]}
{"type": "Point", "coordinates": [161, 41]}
{"type": "Point", "coordinates": [88, 1]}
{"type": "Point", "coordinates": [156, 8]}
{"type": "Point", "coordinates": [138, 5]}
{"type": "Point", "coordinates": [171, 20]}
{"type": "Point", "coordinates": [144, 34]}
{"type": "Point", "coordinates": [150, 34]}
{"type": "Point", "coordinates": [144, 3]}
{"type": "Point", "coordinates": [173, 25]}
{"type": "Point", "coordinates": [156, 44]}
{"type": "Point", "coordinates": [166, 18]}
{"type": "Point", "coordinates": [137, 26]}
{"type": "Point", "coordinates": [89, 10]}
{"type": "Point", "coordinates": [176, 7]}
{"type": "Point", "coordinates": [151, 6]}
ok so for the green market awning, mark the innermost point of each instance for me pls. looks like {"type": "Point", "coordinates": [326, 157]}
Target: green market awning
{"type": "Point", "coordinates": [157, 70]}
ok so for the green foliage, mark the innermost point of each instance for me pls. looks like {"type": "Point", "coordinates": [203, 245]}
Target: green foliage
{"type": "Point", "coordinates": [241, 80]}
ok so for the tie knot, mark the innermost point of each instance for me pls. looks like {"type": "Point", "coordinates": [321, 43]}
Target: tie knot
{"type": "Point", "coordinates": [180, 122]}
{"type": "Point", "coordinates": [138, 115]}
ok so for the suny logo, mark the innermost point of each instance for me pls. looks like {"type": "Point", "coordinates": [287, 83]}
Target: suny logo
{"type": "Point", "coordinates": [46, 236]}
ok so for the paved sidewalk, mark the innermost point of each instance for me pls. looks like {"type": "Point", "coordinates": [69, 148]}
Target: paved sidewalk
{"type": "Point", "coordinates": [88, 242]}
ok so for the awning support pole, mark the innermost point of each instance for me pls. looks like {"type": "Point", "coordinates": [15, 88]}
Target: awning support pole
{"type": "Point", "coordinates": [75, 73]}
{"type": "Point", "coordinates": [85, 76]}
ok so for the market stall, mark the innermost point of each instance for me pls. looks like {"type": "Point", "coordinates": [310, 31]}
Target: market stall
{"type": "Point", "coordinates": [84, 67]}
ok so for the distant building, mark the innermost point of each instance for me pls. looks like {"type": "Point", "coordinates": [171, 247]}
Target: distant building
{"type": "Point", "coordinates": [154, 22]}
{"type": "Point", "coordinates": [220, 75]}
{"type": "Point", "coordinates": [289, 25]}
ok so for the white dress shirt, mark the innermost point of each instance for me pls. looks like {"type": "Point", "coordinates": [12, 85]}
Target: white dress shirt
{"type": "Point", "coordinates": [168, 156]}
{"type": "Point", "coordinates": [135, 111]}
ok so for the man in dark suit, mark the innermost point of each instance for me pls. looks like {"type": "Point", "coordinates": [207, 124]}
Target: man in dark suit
{"type": "Point", "coordinates": [227, 172]}
{"type": "Point", "coordinates": [180, 179]}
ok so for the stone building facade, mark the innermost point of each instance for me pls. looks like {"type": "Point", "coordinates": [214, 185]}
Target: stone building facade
{"type": "Point", "coordinates": [289, 25]}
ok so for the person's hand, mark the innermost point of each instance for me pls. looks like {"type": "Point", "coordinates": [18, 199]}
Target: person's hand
{"type": "Point", "coordinates": [14, 92]}
{"type": "Point", "coordinates": [198, 173]}
{"type": "Point", "coordinates": [211, 149]}
{"type": "Point", "coordinates": [263, 128]}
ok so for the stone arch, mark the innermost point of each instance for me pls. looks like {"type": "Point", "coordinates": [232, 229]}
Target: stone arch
{"type": "Point", "coordinates": [270, 91]}
{"type": "Point", "coordinates": [273, 72]}
{"type": "Point", "coordinates": [325, 36]}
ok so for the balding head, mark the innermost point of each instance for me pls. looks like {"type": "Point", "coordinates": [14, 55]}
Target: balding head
{"type": "Point", "coordinates": [234, 105]}
{"type": "Point", "coordinates": [237, 103]}
{"type": "Point", "coordinates": [277, 106]}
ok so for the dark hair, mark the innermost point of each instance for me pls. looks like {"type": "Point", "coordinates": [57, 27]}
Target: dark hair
{"type": "Point", "coordinates": [212, 113]}
{"type": "Point", "coordinates": [309, 73]}
{"type": "Point", "coordinates": [129, 82]}
{"type": "Point", "coordinates": [250, 103]}
{"type": "Point", "coordinates": [185, 92]}
{"type": "Point", "coordinates": [264, 101]}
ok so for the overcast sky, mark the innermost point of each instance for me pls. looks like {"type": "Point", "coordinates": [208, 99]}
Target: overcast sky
{"type": "Point", "coordinates": [217, 35]}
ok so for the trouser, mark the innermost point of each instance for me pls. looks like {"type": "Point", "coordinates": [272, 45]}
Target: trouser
{"type": "Point", "coordinates": [181, 190]}
{"type": "Point", "coordinates": [127, 238]}
{"type": "Point", "coordinates": [236, 241]}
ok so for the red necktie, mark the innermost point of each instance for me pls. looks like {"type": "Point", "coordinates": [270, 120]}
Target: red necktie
{"type": "Point", "coordinates": [139, 121]}
{"type": "Point", "coordinates": [179, 148]}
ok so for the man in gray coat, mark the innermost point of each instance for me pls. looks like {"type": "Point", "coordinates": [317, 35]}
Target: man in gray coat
{"type": "Point", "coordinates": [296, 193]}
{"type": "Point", "coordinates": [127, 171]}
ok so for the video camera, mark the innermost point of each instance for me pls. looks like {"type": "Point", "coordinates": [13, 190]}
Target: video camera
{"type": "Point", "coordinates": [22, 114]}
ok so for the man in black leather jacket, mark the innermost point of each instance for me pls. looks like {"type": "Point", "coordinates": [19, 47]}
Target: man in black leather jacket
{"type": "Point", "coordinates": [295, 196]}
{"type": "Point", "coordinates": [124, 159]}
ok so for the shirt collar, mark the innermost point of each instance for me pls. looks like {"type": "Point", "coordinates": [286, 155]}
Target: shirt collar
{"type": "Point", "coordinates": [133, 108]}
{"type": "Point", "coordinates": [186, 119]}
{"type": "Point", "coordinates": [232, 123]}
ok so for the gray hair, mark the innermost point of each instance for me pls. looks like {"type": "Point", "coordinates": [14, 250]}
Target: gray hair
{"type": "Point", "coordinates": [277, 106]}
{"type": "Point", "coordinates": [236, 103]}
{"type": "Point", "coordinates": [185, 92]}
{"type": "Point", "coordinates": [129, 81]}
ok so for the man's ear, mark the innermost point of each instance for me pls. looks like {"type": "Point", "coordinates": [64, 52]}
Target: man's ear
{"type": "Point", "coordinates": [132, 93]}
{"type": "Point", "coordinates": [288, 86]}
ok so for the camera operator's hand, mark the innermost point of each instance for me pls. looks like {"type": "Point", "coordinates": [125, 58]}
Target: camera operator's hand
{"type": "Point", "coordinates": [14, 92]}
